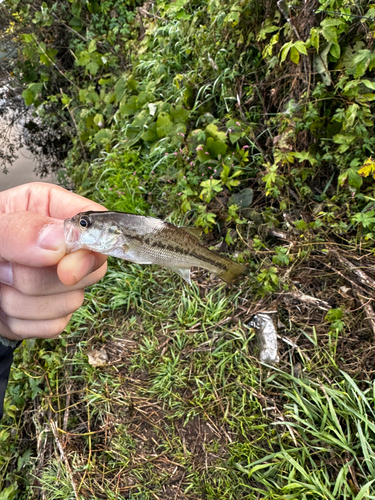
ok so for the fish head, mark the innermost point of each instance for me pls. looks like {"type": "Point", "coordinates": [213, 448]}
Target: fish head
{"type": "Point", "coordinates": [92, 231]}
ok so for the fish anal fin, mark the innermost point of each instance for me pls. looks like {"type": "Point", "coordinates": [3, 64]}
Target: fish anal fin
{"type": "Point", "coordinates": [184, 273]}
{"type": "Point", "coordinates": [233, 272]}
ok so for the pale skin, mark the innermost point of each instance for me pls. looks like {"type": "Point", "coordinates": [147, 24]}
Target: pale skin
{"type": "Point", "coordinates": [40, 285]}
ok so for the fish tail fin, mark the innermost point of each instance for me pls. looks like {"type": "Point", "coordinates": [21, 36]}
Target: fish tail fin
{"type": "Point", "coordinates": [233, 272]}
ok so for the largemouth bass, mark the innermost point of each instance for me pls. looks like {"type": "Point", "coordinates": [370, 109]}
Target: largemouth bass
{"type": "Point", "coordinates": [146, 240]}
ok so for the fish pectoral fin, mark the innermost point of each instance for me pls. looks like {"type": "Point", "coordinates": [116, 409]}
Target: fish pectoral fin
{"type": "Point", "coordinates": [184, 273]}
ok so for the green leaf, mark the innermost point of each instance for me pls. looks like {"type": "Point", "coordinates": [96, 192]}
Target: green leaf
{"type": "Point", "coordinates": [9, 493]}
{"type": "Point", "coordinates": [243, 199]}
{"type": "Point", "coordinates": [365, 218]}
{"type": "Point", "coordinates": [294, 55]}
{"type": "Point", "coordinates": [284, 51]}
{"type": "Point", "coordinates": [76, 9]}
{"type": "Point", "coordinates": [234, 130]}
{"type": "Point", "coordinates": [103, 136]}
{"type": "Point", "coordinates": [216, 148]}
{"type": "Point", "coordinates": [352, 176]}
{"type": "Point", "coordinates": [330, 34]}
{"type": "Point", "coordinates": [335, 50]}
{"type": "Point", "coordinates": [212, 131]}
{"type": "Point", "coordinates": [120, 88]}
{"type": "Point", "coordinates": [370, 85]}
{"type": "Point", "coordinates": [179, 114]}
{"type": "Point", "coordinates": [301, 47]}
{"type": "Point", "coordinates": [31, 93]}
{"type": "Point", "coordinates": [164, 124]}
{"type": "Point", "coordinates": [98, 118]}
{"type": "Point", "coordinates": [76, 23]}
{"type": "Point", "coordinates": [92, 46]}
{"type": "Point", "coordinates": [28, 38]}
{"type": "Point", "coordinates": [150, 134]}
{"type": "Point", "coordinates": [129, 107]}
{"type": "Point", "coordinates": [92, 67]}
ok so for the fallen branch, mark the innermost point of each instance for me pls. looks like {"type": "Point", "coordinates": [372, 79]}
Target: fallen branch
{"type": "Point", "coordinates": [308, 299]}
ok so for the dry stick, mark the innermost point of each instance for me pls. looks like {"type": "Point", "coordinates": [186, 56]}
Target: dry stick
{"type": "Point", "coordinates": [308, 299]}
{"type": "Point", "coordinates": [362, 276]}
{"type": "Point", "coordinates": [369, 311]}
{"type": "Point", "coordinates": [343, 276]}
{"type": "Point", "coordinates": [365, 280]}
{"type": "Point", "coordinates": [63, 456]}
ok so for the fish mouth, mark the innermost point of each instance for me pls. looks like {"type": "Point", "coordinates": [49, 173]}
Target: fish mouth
{"type": "Point", "coordinates": [72, 236]}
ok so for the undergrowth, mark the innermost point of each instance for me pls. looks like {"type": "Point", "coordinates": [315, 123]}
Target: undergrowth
{"type": "Point", "coordinates": [253, 120]}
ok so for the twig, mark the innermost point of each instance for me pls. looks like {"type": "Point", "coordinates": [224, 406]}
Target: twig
{"type": "Point", "coordinates": [369, 311]}
{"type": "Point", "coordinates": [63, 456]}
{"type": "Point", "coordinates": [144, 11]}
{"type": "Point", "coordinates": [308, 299]}
{"type": "Point", "coordinates": [363, 278]}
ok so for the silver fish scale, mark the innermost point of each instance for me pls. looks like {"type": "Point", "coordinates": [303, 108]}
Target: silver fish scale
{"type": "Point", "coordinates": [160, 248]}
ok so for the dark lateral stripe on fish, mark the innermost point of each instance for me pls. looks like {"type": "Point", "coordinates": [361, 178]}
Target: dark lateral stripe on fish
{"type": "Point", "coordinates": [210, 261]}
{"type": "Point", "coordinates": [177, 250]}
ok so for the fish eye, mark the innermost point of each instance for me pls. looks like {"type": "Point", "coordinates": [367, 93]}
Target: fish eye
{"type": "Point", "coordinates": [85, 221]}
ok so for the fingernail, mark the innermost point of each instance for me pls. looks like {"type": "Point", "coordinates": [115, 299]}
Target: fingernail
{"type": "Point", "coordinates": [52, 237]}
{"type": "Point", "coordinates": [6, 273]}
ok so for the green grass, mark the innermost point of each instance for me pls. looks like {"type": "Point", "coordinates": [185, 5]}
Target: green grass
{"type": "Point", "coordinates": [183, 409]}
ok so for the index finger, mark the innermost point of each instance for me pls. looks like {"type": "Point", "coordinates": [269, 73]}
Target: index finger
{"type": "Point", "coordinates": [46, 199]}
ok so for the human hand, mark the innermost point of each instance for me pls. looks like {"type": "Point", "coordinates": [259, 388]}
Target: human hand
{"type": "Point", "coordinates": [40, 285]}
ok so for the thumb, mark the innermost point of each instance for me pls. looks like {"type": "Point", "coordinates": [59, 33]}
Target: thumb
{"type": "Point", "coordinates": [31, 239]}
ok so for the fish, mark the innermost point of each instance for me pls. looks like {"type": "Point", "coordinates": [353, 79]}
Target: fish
{"type": "Point", "coordinates": [146, 240]}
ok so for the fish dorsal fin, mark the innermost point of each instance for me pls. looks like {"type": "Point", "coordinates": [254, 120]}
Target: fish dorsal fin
{"type": "Point", "coordinates": [184, 273]}
{"type": "Point", "coordinates": [194, 231]}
